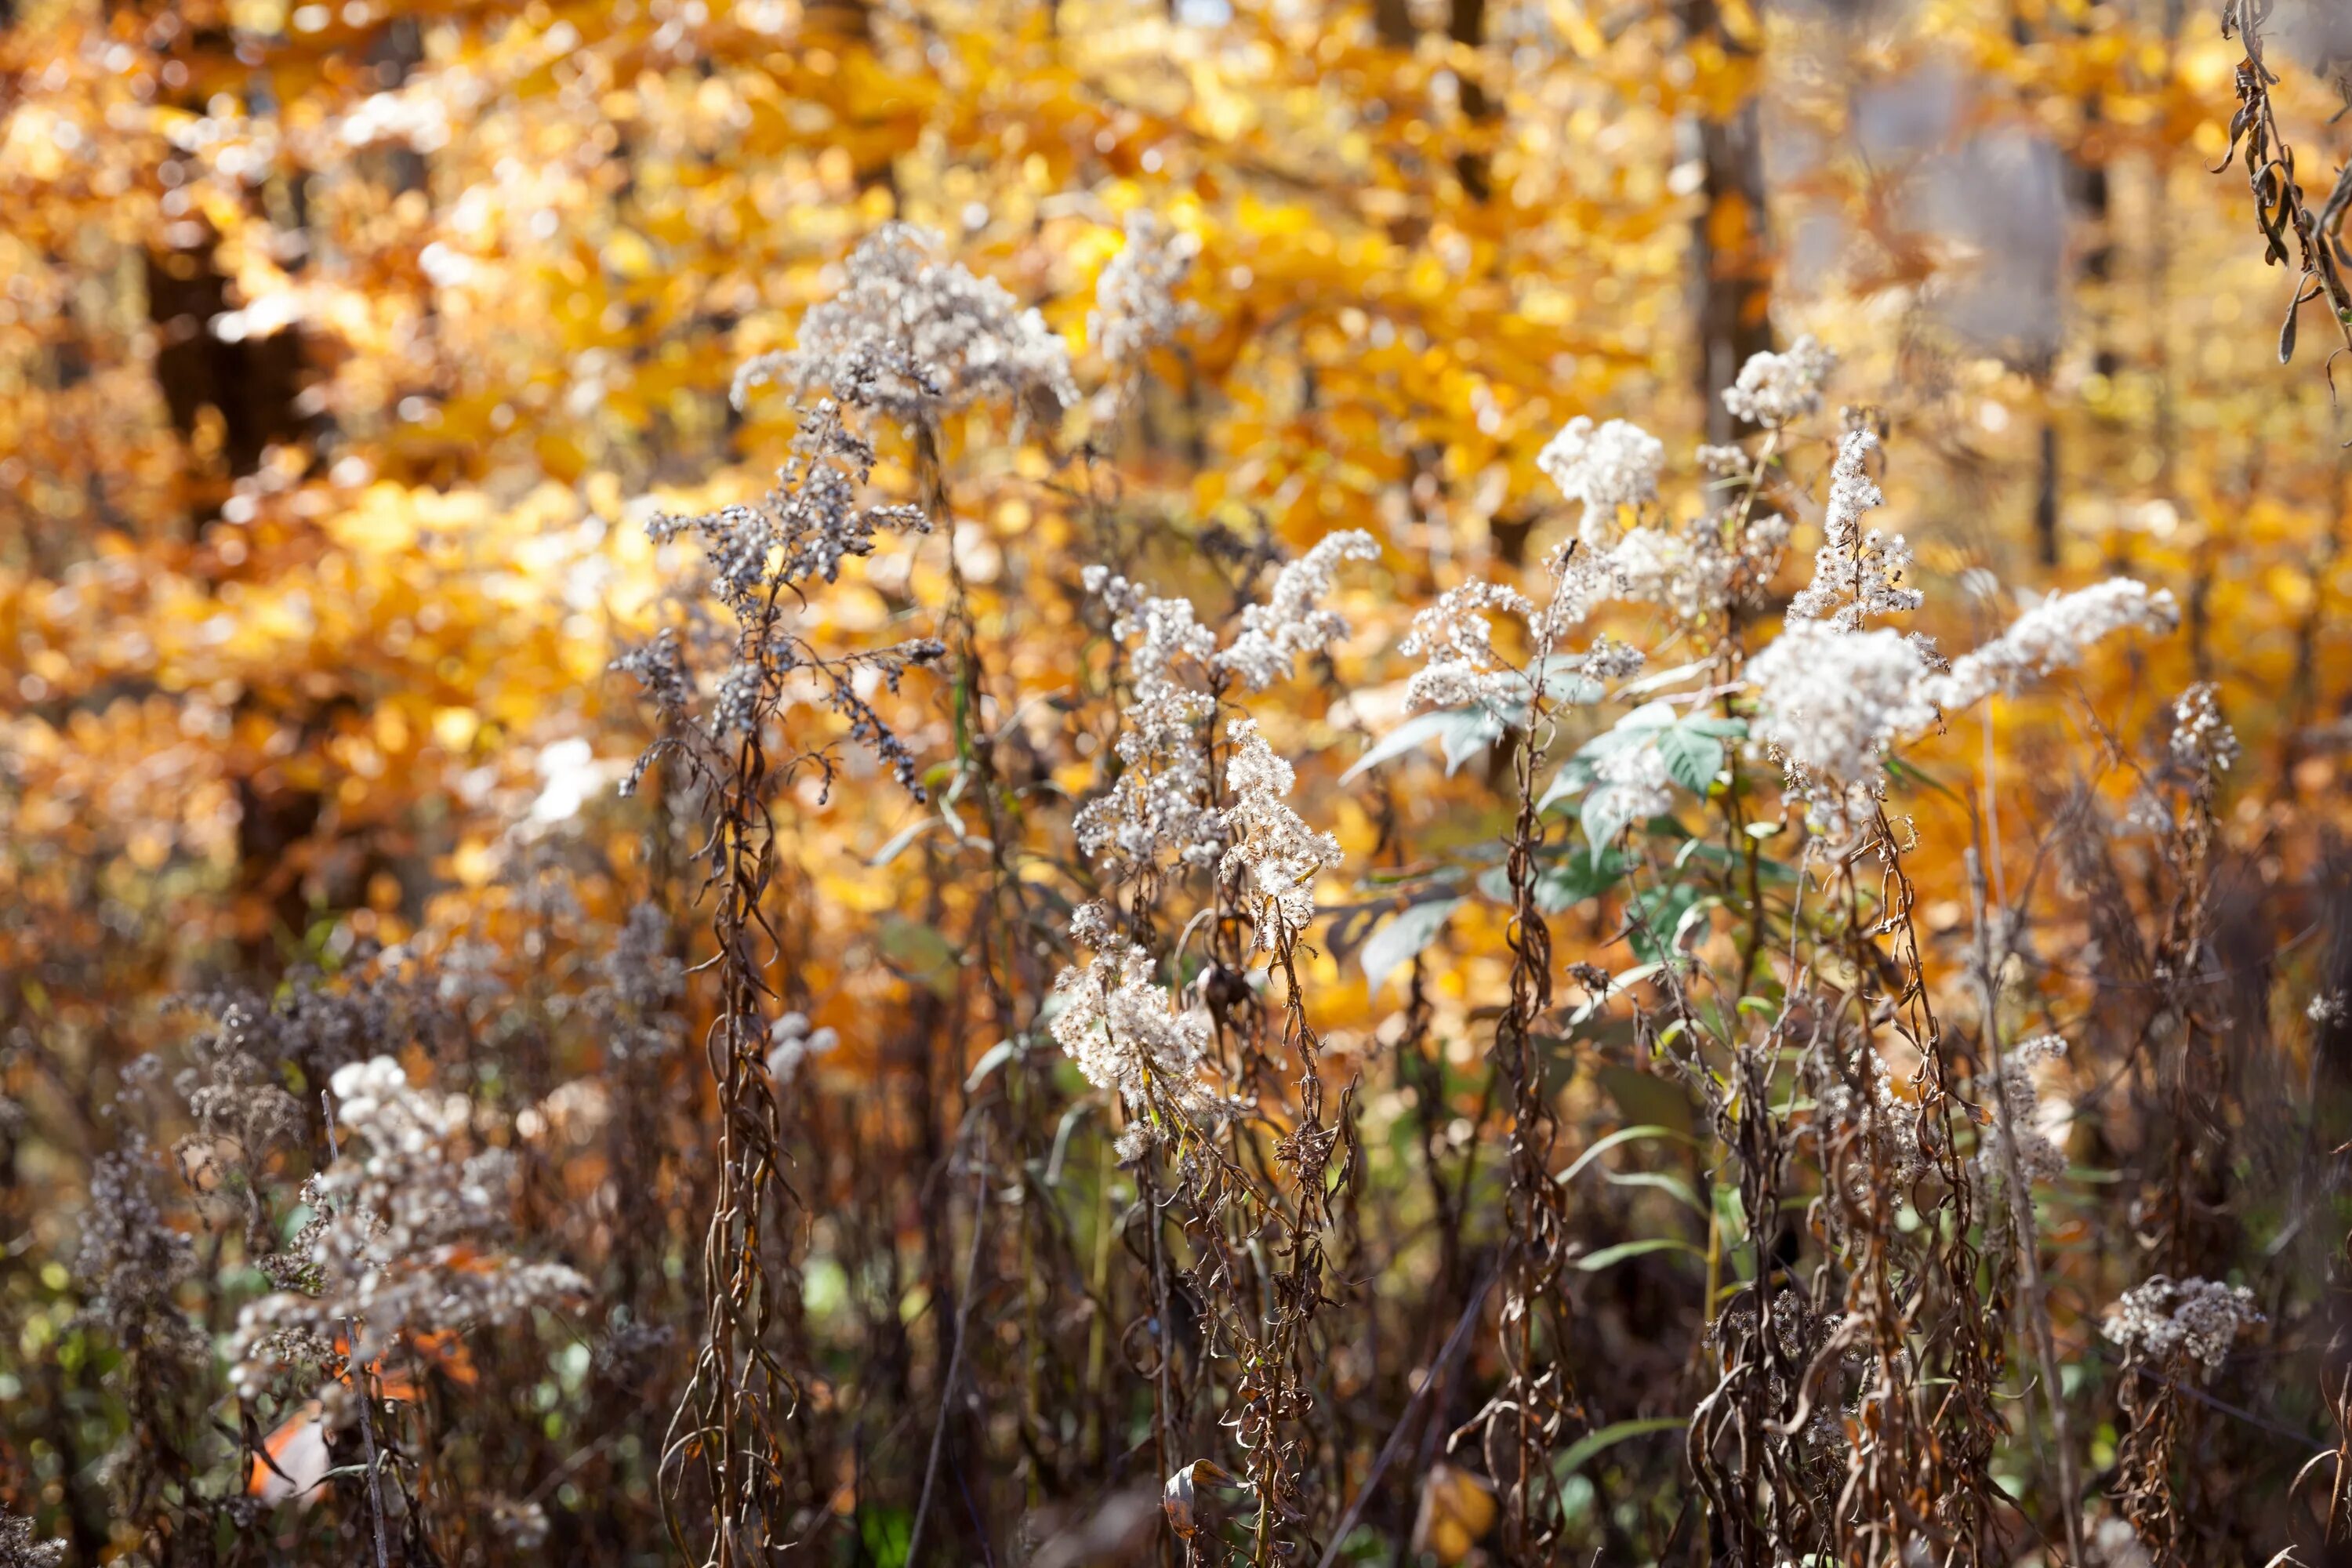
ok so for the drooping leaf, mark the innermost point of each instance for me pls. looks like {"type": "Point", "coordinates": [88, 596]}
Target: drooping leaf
{"type": "Point", "coordinates": [1603, 816]}
{"type": "Point", "coordinates": [1402, 938]}
{"type": "Point", "coordinates": [1581, 1452]}
{"type": "Point", "coordinates": [1461, 733]}
{"type": "Point", "coordinates": [1575, 776]}
{"type": "Point", "coordinates": [1643, 1135]}
{"type": "Point", "coordinates": [1609, 1257]}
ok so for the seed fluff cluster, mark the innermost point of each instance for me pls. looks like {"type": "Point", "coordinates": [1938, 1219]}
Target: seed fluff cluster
{"type": "Point", "coordinates": [1159, 813]}
{"type": "Point", "coordinates": [2182, 1322]}
{"type": "Point", "coordinates": [2039, 1159]}
{"type": "Point", "coordinates": [1126, 1031]}
{"type": "Point", "coordinates": [400, 1234]}
{"type": "Point", "coordinates": [916, 336]}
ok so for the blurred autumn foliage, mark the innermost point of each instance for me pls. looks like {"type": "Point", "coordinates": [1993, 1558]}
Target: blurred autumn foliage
{"type": "Point", "coordinates": [345, 352]}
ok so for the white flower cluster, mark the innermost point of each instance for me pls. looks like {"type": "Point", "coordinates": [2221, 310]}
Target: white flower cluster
{"type": "Point", "coordinates": [2038, 1158]}
{"type": "Point", "coordinates": [1830, 701]}
{"type": "Point", "coordinates": [521, 1524]}
{"type": "Point", "coordinates": [1673, 569]}
{"type": "Point", "coordinates": [792, 1042]}
{"type": "Point", "coordinates": [1774, 389]}
{"type": "Point", "coordinates": [1274, 855]}
{"type": "Point", "coordinates": [1694, 572]}
{"type": "Point", "coordinates": [19, 1550]}
{"type": "Point", "coordinates": [2202, 740]}
{"type": "Point", "coordinates": [1292, 622]}
{"type": "Point", "coordinates": [1159, 811]}
{"type": "Point", "coordinates": [2052, 635]}
{"type": "Point", "coordinates": [2181, 1321]}
{"type": "Point", "coordinates": [2329, 1008]}
{"type": "Point", "coordinates": [2114, 1543]}
{"type": "Point", "coordinates": [1630, 784]}
{"type": "Point", "coordinates": [1855, 574]}
{"type": "Point", "coordinates": [1457, 642]}
{"type": "Point", "coordinates": [1833, 697]}
{"type": "Point", "coordinates": [397, 1241]}
{"type": "Point", "coordinates": [1126, 1035]}
{"type": "Point", "coordinates": [1605, 466]}
{"type": "Point", "coordinates": [916, 336]}
{"type": "Point", "coordinates": [1136, 308]}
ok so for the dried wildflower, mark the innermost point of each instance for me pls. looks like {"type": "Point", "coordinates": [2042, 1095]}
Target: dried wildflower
{"type": "Point", "coordinates": [1724, 462]}
{"type": "Point", "coordinates": [397, 1239]}
{"type": "Point", "coordinates": [1610, 659]}
{"type": "Point", "coordinates": [1092, 924]}
{"type": "Point", "coordinates": [132, 1262]}
{"type": "Point", "coordinates": [1830, 702]}
{"type": "Point", "coordinates": [658, 667]}
{"type": "Point", "coordinates": [1890, 1124]}
{"type": "Point", "coordinates": [642, 979]}
{"type": "Point", "coordinates": [914, 336]}
{"type": "Point", "coordinates": [804, 527]}
{"type": "Point", "coordinates": [1136, 308]}
{"type": "Point", "coordinates": [521, 1525]}
{"type": "Point", "coordinates": [2330, 1009]}
{"type": "Point", "coordinates": [1630, 784]}
{"type": "Point", "coordinates": [1274, 855]}
{"type": "Point", "coordinates": [1457, 642]}
{"type": "Point", "coordinates": [2182, 1322]}
{"type": "Point", "coordinates": [2038, 1158]}
{"type": "Point", "coordinates": [2114, 1543]}
{"type": "Point", "coordinates": [1855, 574]}
{"type": "Point", "coordinates": [1291, 623]}
{"type": "Point", "coordinates": [1158, 812]}
{"type": "Point", "coordinates": [1126, 1035]}
{"type": "Point", "coordinates": [1774, 389]}
{"type": "Point", "coordinates": [2052, 635]}
{"type": "Point", "coordinates": [2202, 740]}
{"type": "Point", "coordinates": [1164, 634]}
{"type": "Point", "coordinates": [792, 1042]}
{"type": "Point", "coordinates": [19, 1550]}
{"type": "Point", "coordinates": [232, 1086]}
{"type": "Point", "coordinates": [1687, 573]}
{"type": "Point", "coordinates": [1605, 466]}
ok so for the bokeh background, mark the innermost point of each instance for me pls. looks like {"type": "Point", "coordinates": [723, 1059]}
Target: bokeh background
{"type": "Point", "coordinates": [345, 349]}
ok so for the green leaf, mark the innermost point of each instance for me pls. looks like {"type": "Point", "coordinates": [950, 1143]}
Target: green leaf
{"type": "Point", "coordinates": [1643, 1097]}
{"type": "Point", "coordinates": [900, 839]}
{"type": "Point", "coordinates": [1662, 915]}
{"type": "Point", "coordinates": [1912, 773]}
{"type": "Point", "coordinates": [1667, 1182]}
{"type": "Point", "coordinates": [1602, 819]}
{"type": "Point", "coordinates": [1461, 733]}
{"type": "Point", "coordinates": [1574, 777]}
{"type": "Point", "coordinates": [887, 1534]}
{"type": "Point", "coordinates": [1659, 679]}
{"type": "Point", "coordinates": [918, 951]}
{"type": "Point", "coordinates": [1648, 1134]}
{"type": "Point", "coordinates": [1609, 1257]}
{"type": "Point", "coordinates": [1693, 757]}
{"type": "Point", "coordinates": [1582, 1450]}
{"type": "Point", "coordinates": [995, 1057]}
{"type": "Point", "coordinates": [1398, 942]}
